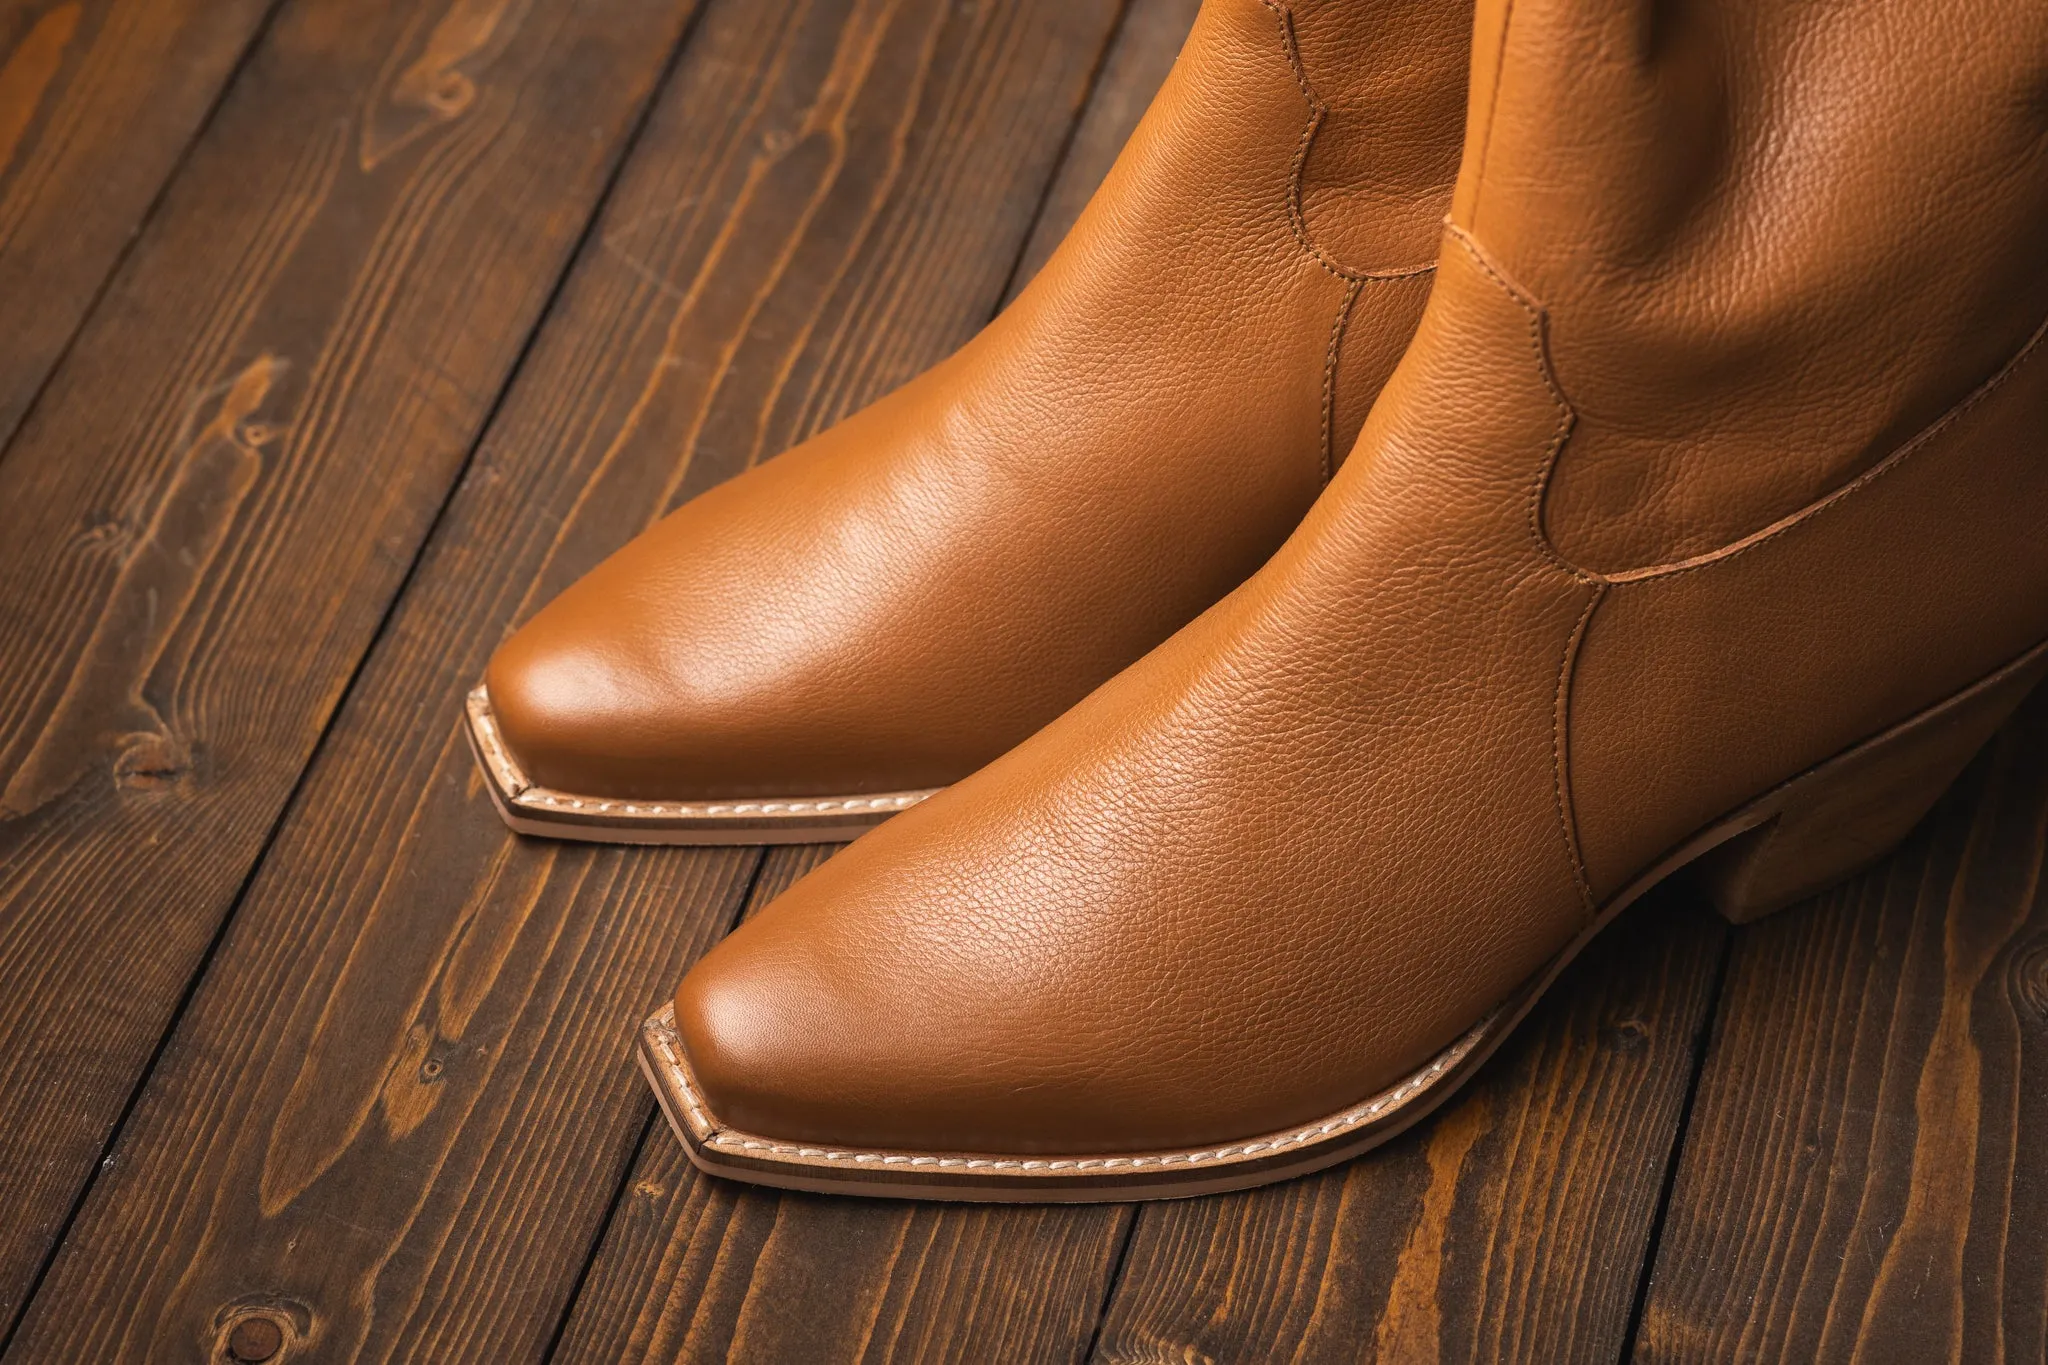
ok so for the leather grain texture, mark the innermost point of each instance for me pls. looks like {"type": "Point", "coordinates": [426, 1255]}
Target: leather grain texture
{"type": "Point", "coordinates": [1719, 450]}
{"type": "Point", "coordinates": [907, 595]}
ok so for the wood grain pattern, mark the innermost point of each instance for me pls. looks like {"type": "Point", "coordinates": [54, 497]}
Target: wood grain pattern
{"type": "Point", "coordinates": [398, 1119]}
{"type": "Point", "coordinates": [98, 99]}
{"type": "Point", "coordinates": [781, 869]}
{"type": "Point", "coordinates": [1147, 41]}
{"type": "Point", "coordinates": [403, 1095]}
{"type": "Point", "coordinates": [1510, 1227]}
{"type": "Point", "coordinates": [1866, 1174]}
{"type": "Point", "coordinates": [698, 1269]}
{"type": "Point", "coordinates": [227, 480]}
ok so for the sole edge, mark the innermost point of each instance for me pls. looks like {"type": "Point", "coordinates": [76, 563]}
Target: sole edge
{"type": "Point", "coordinates": [530, 809]}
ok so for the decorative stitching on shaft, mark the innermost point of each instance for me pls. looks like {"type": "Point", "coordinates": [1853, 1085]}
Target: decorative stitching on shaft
{"type": "Point", "coordinates": [1567, 418]}
{"type": "Point", "coordinates": [1319, 109]}
{"type": "Point", "coordinates": [1905, 452]}
{"type": "Point", "coordinates": [1297, 221]}
{"type": "Point", "coordinates": [1560, 752]}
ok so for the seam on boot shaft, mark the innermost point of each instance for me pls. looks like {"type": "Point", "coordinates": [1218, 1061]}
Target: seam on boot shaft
{"type": "Point", "coordinates": [1567, 419]}
{"type": "Point", "coordinates": [1354, 278]}
{"type": "Point", "coordinates": [1602, 583]}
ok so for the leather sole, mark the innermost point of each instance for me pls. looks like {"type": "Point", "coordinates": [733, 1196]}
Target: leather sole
{"type": "Point", "coordinates": [533, 809]}
{"type": "Point", "coordinates": [1809, 832]}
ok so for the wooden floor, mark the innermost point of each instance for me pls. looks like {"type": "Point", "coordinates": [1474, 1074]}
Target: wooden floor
{"type": "Point", "coordinates": [338, 335]}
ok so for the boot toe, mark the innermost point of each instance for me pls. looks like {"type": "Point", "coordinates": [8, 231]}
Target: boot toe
{"type": "Point", "coordinates": [577, 711]}
{"type": "Point", "coordinates": [872, 1008]}
{"type": "Point", "coordinates": [780, 1049]}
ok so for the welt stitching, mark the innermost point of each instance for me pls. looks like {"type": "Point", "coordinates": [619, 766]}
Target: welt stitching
{"type": "Point", "coordinates": [520, 791]}
{"type": "Point", "coordinates": [1546, 467]}
{"type": "Point", "coordinates": [1347, 1120]}
{"type": "Point", "coordinates": [1856, 485]}
{"type": "Point", "coordinates": [630, 811]}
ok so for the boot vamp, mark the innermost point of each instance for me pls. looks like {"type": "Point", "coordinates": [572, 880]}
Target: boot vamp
{"type": "Point", "coordinates": [1272, 868]}
{"type": "Point", "coordinates": [904, 597]}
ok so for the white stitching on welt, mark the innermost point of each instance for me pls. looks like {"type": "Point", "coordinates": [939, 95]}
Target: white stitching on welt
{"type": "Point", "coordinates": [522, 792]}
{"type": "Point", "coordinates": [1356, 1117]}
{"type": "Point", "coordinates": [804, 806]}
{"type": "Point", "coordinates": [483, 724]}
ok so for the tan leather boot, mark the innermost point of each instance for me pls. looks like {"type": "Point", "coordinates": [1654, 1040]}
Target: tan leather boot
{"type": "Point", "coordinates": [823, 641]}
{"type": "Point", "coordinates": [1705, 523]}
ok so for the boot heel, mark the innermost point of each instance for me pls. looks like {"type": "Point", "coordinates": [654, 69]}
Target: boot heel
{"type": "Point", "coordinates": [1840, 817]}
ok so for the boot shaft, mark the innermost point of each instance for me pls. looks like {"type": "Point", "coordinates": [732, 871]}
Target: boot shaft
{"type": "Point", "coordinates": [1772, 240]}
{"type": "Point", "coordinates": [1738, 328]}
{"type": "Point", "coordinates": [1386, 79]}
{"type": "Point", "coordinates": [1297, 147]}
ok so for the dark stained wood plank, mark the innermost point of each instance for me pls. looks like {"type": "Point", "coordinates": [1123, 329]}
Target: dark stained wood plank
{"type": "Point", "coordinates": [1148, 40]}
{"type": "Point", "coordinates": [732, 1273]}
{"type": "Point", "coordinates": [98, 98]}
{"type": "Point", "coordinates": [694, 1268]}
{"type": "Point", "coordinates": [1866, 1172]}
{"type": "Point", "coordinates": [781, 869]}
{"type": "Point", "coordinates": [403, 1096]}
{"type": "Point", "coordinates": [203, 521]}
{"type": "Point", "coordinates": [1510, 1227]}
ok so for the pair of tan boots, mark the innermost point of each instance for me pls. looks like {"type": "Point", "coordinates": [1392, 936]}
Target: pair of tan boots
{"type": "Point", "coordinates": [1379, 546]}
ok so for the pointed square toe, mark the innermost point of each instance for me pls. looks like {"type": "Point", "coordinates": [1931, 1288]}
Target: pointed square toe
{"type": "Point", "coordinates": [580, 737]}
